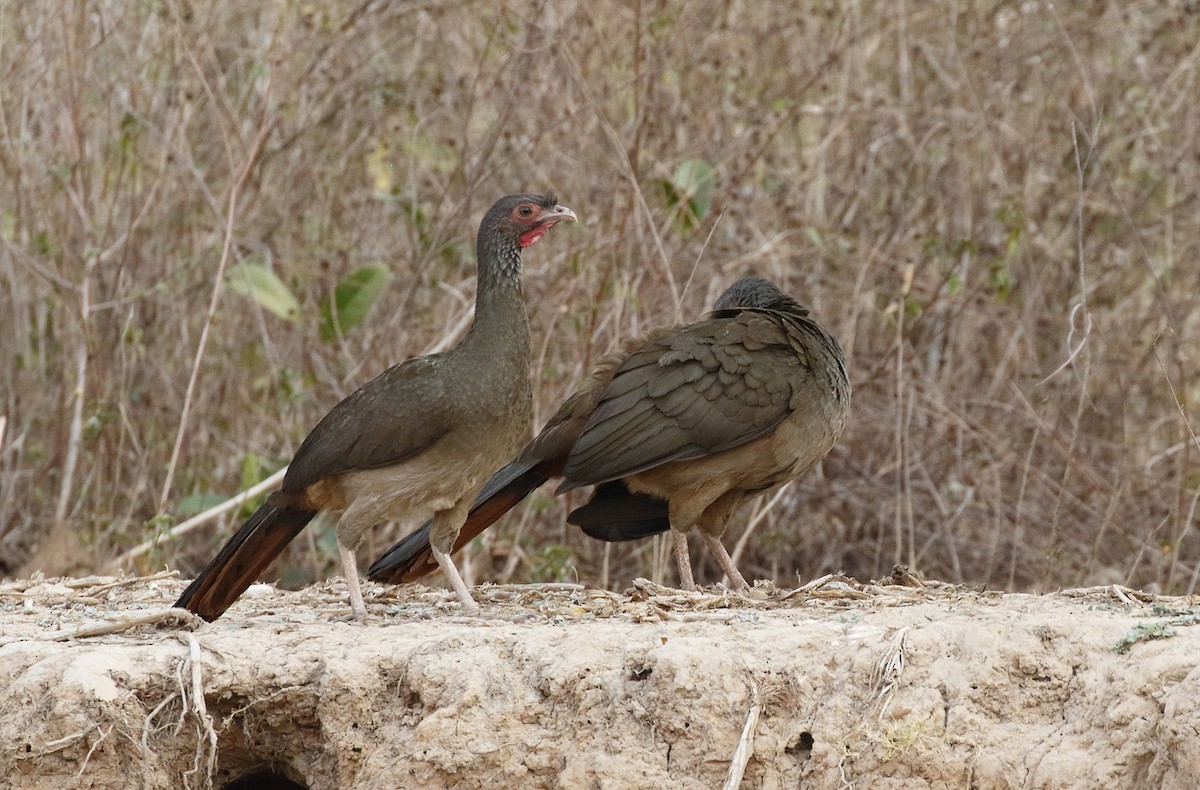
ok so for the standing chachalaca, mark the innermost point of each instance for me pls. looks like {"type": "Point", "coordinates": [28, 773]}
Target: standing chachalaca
{"type": "Point", "coordinates": [677, 430]}
{"type": "Point", "coordinates": [414, 442]}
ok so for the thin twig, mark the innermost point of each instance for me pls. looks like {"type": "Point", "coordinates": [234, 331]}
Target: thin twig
{"type": "Point", "coordinates": [696, 265]}
{"type": "Point", "coordinates": [231, 213]}
{"type": "Point", "coordinates": [119, 624]}
{"type": "Point", "coordinates": [148, 721]}
{"type": "Point", "coordinates": [754, 522]}
{"type": "Point", "coordinates": [92, 749]}
{"type": "Point", "coordinates": [202, 518]}
{"type": "Point", "coordinates": [901, 437]}
{"type": "Point", "coordinates": [1073, 349]}
{"type": "Point", "coordinates": [629, 172]}
{"type": "Point", "coordinates": [1187, 424]}
{"type": "Point", "coordinates": [105, 585]}
{"type": "Point", "coordinates": [75, 433]}
{"type": "Point", "coordinates": [452, 336]}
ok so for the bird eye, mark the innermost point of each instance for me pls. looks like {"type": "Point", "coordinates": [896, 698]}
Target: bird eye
{"type": "Point", "coordinates": [525, 210]}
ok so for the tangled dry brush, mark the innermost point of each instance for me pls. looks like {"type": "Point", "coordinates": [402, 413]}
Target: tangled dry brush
{"type": "Point", "coordinates": [994, 206]}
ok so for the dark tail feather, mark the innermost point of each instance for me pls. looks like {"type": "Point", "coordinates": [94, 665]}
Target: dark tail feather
{"type": "Point", "coordinates": [614, 514]}
{"type": "Point", "coordinates": [243, 559]}
{"type": "Point", "coordinates": [411, 558]}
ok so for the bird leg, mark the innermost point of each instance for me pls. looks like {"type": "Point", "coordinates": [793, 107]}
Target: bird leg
{"type": "Point", "coordinates": [717, 549]}
{"type": "Point", "coordinates": [456, 580]}
{"type": "Point", "coordinates": [442, 533]}
{"type": "Point", "coordinates": [683, 560]}
{"type": "Point", "coordinates": [350, 571]}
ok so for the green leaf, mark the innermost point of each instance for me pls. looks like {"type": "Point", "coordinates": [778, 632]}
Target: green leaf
{"type": "Point", "coordinates": [194, 504]}
{"type": "Point", "coordinates": [690, 189]}
{"type": "Point", "coordinates": [352, 300]}
{"type": "Point", "coordinates": [254, 470]}
{"type": "Point", "coordinates": [552, 563]}
{"type": "Point", "coordinates": [259, 283]}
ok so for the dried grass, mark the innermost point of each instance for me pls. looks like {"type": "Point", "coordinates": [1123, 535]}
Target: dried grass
{"type": "Point", "coordinates": [994, 207]}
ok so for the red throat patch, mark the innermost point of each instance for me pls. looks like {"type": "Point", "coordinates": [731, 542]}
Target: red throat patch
{"type": "Point", "coordinates": [529, 237]}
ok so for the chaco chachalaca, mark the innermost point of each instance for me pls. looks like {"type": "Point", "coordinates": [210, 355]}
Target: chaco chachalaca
{"type": "Point", "coordinates": [677, 430]}
{"type": "Point", "coordinates": [413, 443]}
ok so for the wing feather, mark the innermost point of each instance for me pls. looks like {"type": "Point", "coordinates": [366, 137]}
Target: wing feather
{"type": "Point", "coordinates": [391, 418]}
{"type": "Point", "coordinates": [695, 391]}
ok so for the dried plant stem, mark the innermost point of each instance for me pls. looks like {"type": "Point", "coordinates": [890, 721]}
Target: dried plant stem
{"type": "Point", "coordinates": [843, 148]}
{"type": "Point", "coordinates": [1187, 424]}
{"type": "Point", "coordinates": [201, 518]}
{"type": "Point", "coordinates": [79, 396]}
{"type": "Point", "coordinates": [120, 624]}
{"type": "Point", "coordinates": [902, 487]}
{"type": "Point", "coordinates": [631, 175]}
{"type": "Point", "coordinates": [215, 299]}
{"type": "Point", "coordinates": [755, 520]}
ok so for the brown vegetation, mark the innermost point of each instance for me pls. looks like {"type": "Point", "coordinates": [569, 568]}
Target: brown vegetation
{"type": "Point", "coordinates": [993, 206]}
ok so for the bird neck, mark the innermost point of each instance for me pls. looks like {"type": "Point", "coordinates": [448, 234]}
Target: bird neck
{"type": "Point", "coordinates": [499, 258]}
{"type": "Point", "coordinates": [501, 324]}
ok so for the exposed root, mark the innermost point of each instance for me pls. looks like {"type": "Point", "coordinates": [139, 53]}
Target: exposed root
{"type": "Point", "coordinates": [92, 749]}
{"type": "Point", "coordinates": [206, 745]}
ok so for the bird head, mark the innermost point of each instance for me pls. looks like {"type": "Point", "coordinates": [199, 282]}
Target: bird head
{"type": "Point", "coordinates": [523, 219]}
{"type": "Point", "coordinates": [757, 293]}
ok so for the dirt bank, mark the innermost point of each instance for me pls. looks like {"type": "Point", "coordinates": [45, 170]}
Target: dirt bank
{"type": "Point", "coordinates": [835, 685]}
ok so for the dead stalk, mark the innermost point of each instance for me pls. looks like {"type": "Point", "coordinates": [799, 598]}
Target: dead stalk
{"type": "Point", "coordinates": [265, 126]}
{"type": "Point", "coordinates": [78, 397]}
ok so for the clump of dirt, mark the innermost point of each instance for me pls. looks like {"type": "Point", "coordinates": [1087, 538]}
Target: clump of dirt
{"type": "Point", "coordinates": [901, 684]}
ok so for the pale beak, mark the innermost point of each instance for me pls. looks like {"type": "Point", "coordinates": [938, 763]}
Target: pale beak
{"type": "Point", "coordinates": [553, 216]}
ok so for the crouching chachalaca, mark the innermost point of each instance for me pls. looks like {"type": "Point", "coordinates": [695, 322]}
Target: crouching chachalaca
{"type": "Point", "coordinates": [677, 430]}
{"type": "Point", "coordinates": [413, 443]}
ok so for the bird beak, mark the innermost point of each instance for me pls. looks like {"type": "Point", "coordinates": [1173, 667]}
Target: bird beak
{"type": "Point", "coordinates": [555, 215]}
